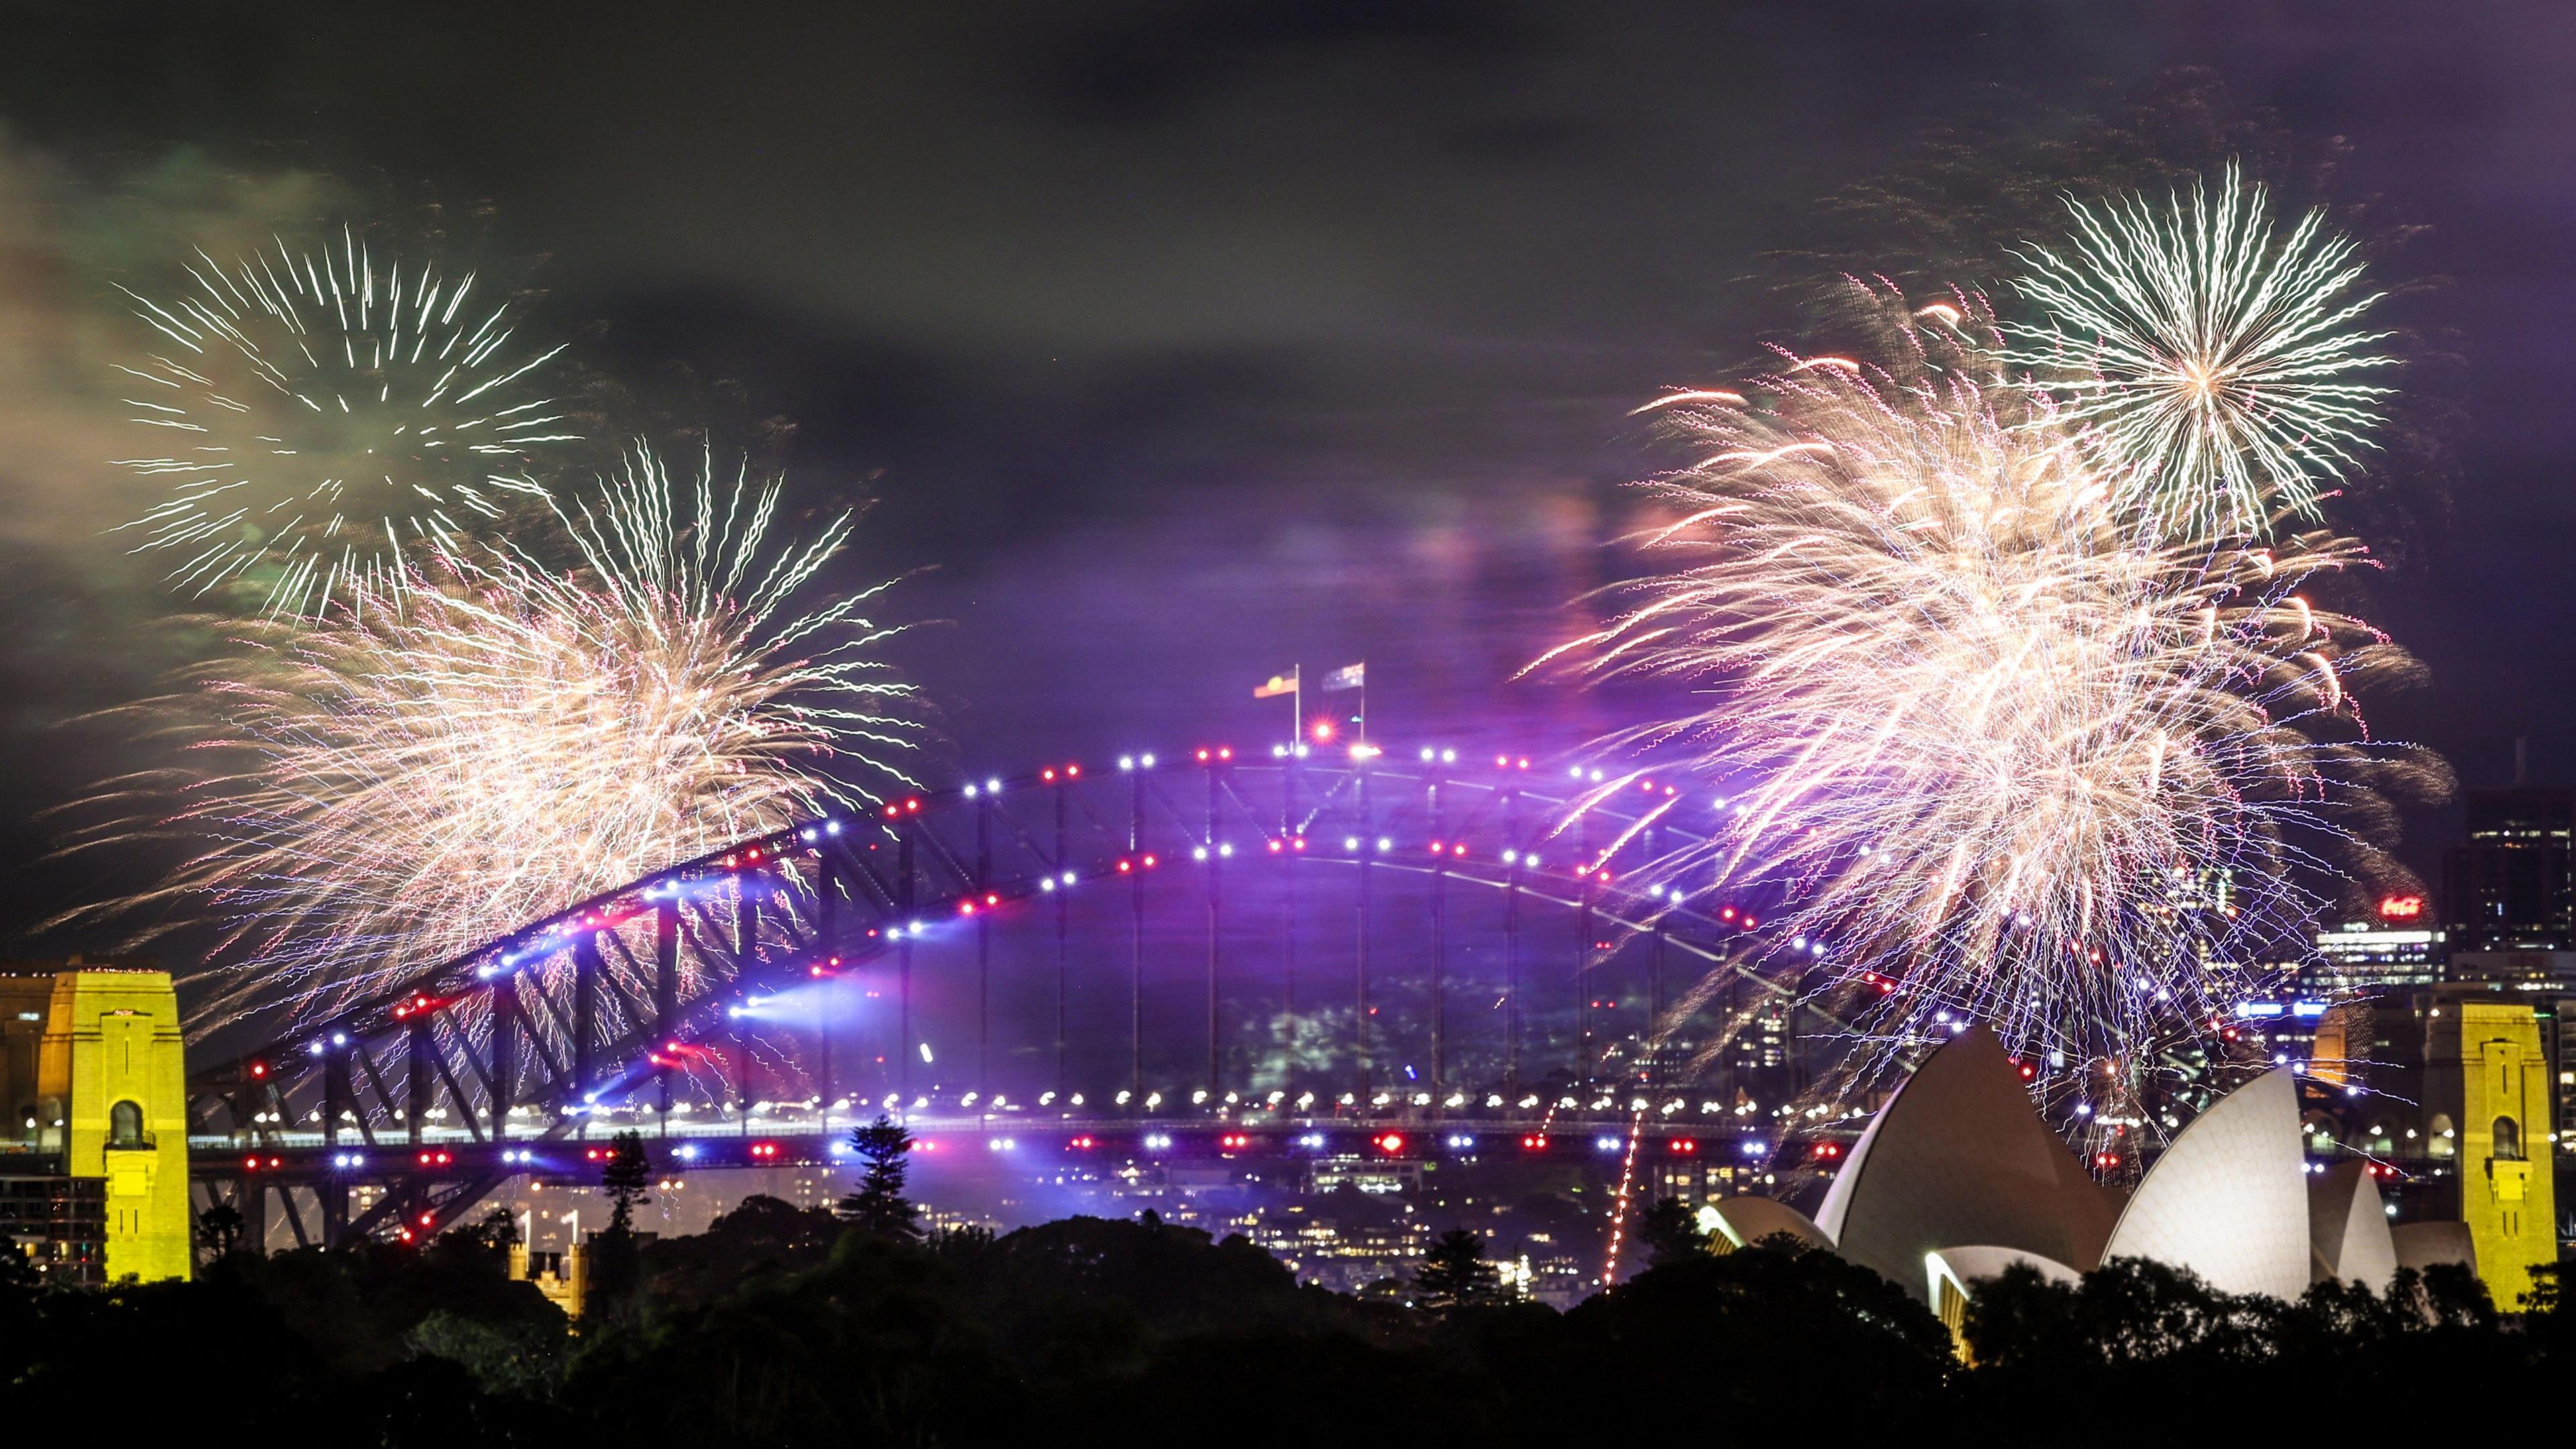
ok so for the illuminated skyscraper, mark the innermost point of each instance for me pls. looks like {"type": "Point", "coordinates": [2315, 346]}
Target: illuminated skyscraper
{"type": "Point", "coordinates": [2512, 887]}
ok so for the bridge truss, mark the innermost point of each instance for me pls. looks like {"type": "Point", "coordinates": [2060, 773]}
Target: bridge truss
{"type": "Point", "coordinates": [1345, 882]}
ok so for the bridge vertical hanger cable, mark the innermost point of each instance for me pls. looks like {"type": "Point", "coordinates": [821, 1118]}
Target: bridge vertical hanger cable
{"type": "Point", "coordinates": [1136, 944]}
{"type": "Point", "coordinates": [1288, 833]}
{"type": "Point", "coordinates": [1063, 941]}
{"type": "Point", "coordinates": [666, 998]}
{"type": "Point", "coordinates": [827, 937]}
{"type": "Point", "coordinates": [585, 1021]}
{"type": "Point", "coordinates": [507, 1018]}
{"type": "Point", "coordinates": [1583, 1059]}
{"type": "Point", "coordinates": [1512, 852]}
{"type": "Point", "coordinates": [904, 904]}
{"type": "Point", "coordinates": [1439, 945]}
{"type": "Point", "coordinates": [420, 1085]}
{"type": "Point", "coordinates": [1215, 864]}
{"type": "Point", "coordinates": [1360, 1015]}
{"type": "Point", "coordinates": [984, 946]}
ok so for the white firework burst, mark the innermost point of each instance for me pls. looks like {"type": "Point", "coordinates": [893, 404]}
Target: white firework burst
{"type": "Point", "coordinates": [2215, 370]}
{"type": "Point", "coordinates": [491, 740]}
{"type": "Point", "coordinates": [317, 414]}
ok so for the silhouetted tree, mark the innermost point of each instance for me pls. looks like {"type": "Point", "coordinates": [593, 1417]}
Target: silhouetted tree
{"type": "Point", "coordinates": [1455, 1274]}
{"type": "Point", "coordinates": [877, 1205]}
{"type": "Point", "coordinates": [1670, 1230]}
{"type": "Point", "coordinates": [219, 1229]}
{"type": "Point", "coordinates": [623, 1176]}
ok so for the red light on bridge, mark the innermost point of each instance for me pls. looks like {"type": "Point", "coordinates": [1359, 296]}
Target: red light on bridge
{"type": "Point", "coordinates": [764, 1151]}
{"type": "Point", "coordinates": [1047, 775]}
{"type": "Point", "coordinates": [441, 1159]}
{"type": "Point", "coordinates": [1827, 1149]}
{"type": "Point", "coordinates": [1276, 847]}
{"type": "Point", "coordinates": [1684, 1146]}
{"type": "Point", "coordinates": [1297, 842]}
{"type": "Point", "coordinates": [1234, 1141]}
{"type": "Point", "coordinates": [1392, 1142]}
{"type": "Point", "coordinates": [1150, 862]}
{"type": "Point", "coordinates": [1323, 732]}
{"type": "Point", "coordinates": [1534, 1143]}
{"type": "Point", "coordinates": [259, 1069]}
{"type": "Point", "coordinates": [965, 908]}
{"type": "Point", "coordinates": [1125, 866]}
{"type": "Point", "coordinates": [1203, 757]}
{"type": "Point", "coordinates": [1073, 772]}
{"type": "Point", "coordinates": [1084, 1143]}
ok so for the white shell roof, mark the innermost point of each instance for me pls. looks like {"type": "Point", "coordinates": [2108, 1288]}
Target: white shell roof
{"type": "Point", "coordinates": [1960, 1157]}
{"type": "Point", "coordinates": [2421, 1245]}
{"type": "Point", "coordinates": [2229, 1200]}
{"type": "Point", "coordinates": [1965, 1266]}
{"type": "Point", "coordinates": [1747, 1220]}
{"type": "Point", "coordinates": [2348, 1226]}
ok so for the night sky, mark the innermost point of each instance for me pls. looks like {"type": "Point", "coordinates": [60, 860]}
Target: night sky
{"type": "Point", "coordinates": [1180, 342]}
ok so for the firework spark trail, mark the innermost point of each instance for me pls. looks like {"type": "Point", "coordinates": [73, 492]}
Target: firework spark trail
{"type": "Point", "coordinates": [2211, 368]}
{"type": "Point", "coordinates": [490, 742]}
{"type": "Point", "coordinates": [320, 415]}
{"type": "Point", "coordinates": [2002, 761]}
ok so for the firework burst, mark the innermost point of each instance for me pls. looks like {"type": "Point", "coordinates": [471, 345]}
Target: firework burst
{"type": "Point", "coordinates": [2214, 369]}
{"type": "Point", "coordinates": [316, 415]}
{"type": "Point", "coordinates": [1992, 758]}
{"type": "Point", "coordinates": [487, 741]}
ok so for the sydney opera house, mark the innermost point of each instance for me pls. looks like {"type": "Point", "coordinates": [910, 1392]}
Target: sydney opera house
{"type": "Point", "coordinates": [1957, 1178]}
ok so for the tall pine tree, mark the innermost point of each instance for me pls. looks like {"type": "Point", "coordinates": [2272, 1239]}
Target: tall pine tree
{"type": "Point", "coordinates": [877, 1204]}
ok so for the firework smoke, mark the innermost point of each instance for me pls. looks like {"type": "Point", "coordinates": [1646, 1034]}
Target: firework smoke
{"type": "Point", "coordinates": [2211, 369]}
{"type": "Point", "coordinates": [315, 416]}
{"type": "Point", "coordinates": [1995, 759]}
{"type": "Point", "coordinates": [485, 742]}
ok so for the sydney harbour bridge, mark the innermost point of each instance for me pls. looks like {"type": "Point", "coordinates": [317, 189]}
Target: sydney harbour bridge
{"type": "Point", "coordinates": [1263, 954]}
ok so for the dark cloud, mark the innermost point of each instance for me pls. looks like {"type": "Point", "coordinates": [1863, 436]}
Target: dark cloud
{"type": "Point", "coordinates": [1185, 340]}
{"type": "Point", "coordinates": [1166, 63]}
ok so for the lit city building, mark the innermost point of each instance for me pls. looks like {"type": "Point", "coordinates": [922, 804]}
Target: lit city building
{"type": "Point", "coordinates": [2397, 945]}
{"type": "Point", "coordinates": [2509, 888]}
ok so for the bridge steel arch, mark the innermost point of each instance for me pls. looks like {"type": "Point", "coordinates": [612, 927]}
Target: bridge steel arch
{"type": "Point", "coordinates": [629, 1009]}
